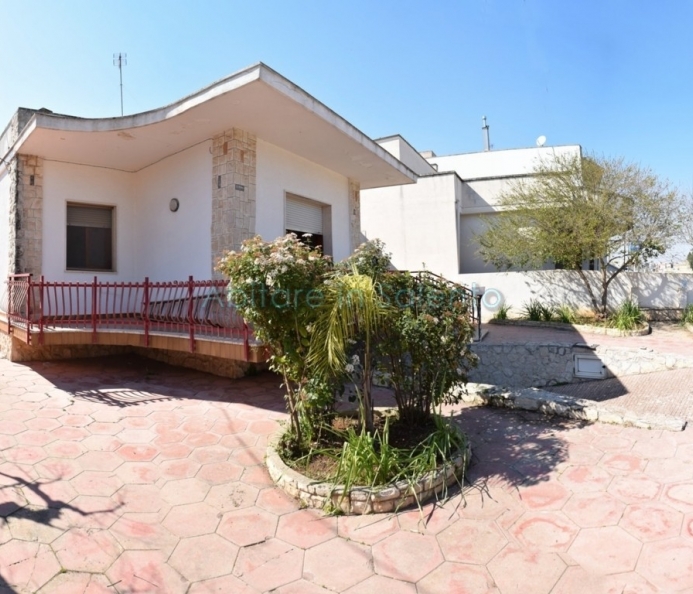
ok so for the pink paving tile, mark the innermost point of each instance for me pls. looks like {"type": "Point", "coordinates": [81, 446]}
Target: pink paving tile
{"type": "Point", "coordinates": [655, 446]}
{"type": "Point", "coordinates": [102, 428]}
{"type": "Point", "coordinates": [27, 565]}
{"type": "Point", "coordinates": [680, 496]}
{"type": "Point", "coordinates": [105, 461]}
{"type": "Point", "coordinates": [231, 496]}
{"type": "Point", "coordinates": [670, 470]}
{"type": "Point", "coordinates": [248, 526]}
{"type": "Point", "coordinates": [337, 564]}
{"type": "Point", "coordinates": [42, 424]}
{"type": "Point", "coordinates": [519, 571]}
{"type": "Point", "coordinates": [96, 483]}
{"type": "Point", "coordinates": [102, 443]}
{"type": "Point", "coordinates": [651, 521]}
{"type": "Point", "coordinates": [275, 500]}
{"type": "Point", "coordinates": [84, 583]}
{"type": "Point", "coordinates": [203, 557]}
{"type": "Point", "coordinates": [75, 420]}
{"type": "Point", "coordinates": [230, 426]}
{"type": "Point", "coordinates": [668, 564]}
{"type": "Point", "coordinates": [605, 550]}
{"type": "Point", "coordinates": [479, 503]}
{"type": "Point", "coordinates": [64, 449]}
{"type": "Point", "coordinates": [581, 479]}
{"type": "Point", "coordinates": [53, 493]}
{"type": "Point", "coordinates": [241, 440]}
{"type": "Point", "coordinates": [406, 556]}
{"type": "Point", "coordinates": [220, 472]}
{"type": "Point", "coordinates": [366, 529]}
{"type": "Point", "coordinates": [248, 456]}
{"type": "Point", "coordinates": [210, 454]}
{"type": "Point", "coordinates": [92, 552]}
{"type": "Point", "coordinates": [577, 580]}
{"type": "Point", "coordinates": [166, 435]}
{"type": "Point", "coordinates": [11, 427]}
{"type": "Point", "coordinates": [431, 518]}
{"type": "Point", "coordinates": [140, 499]}
{"type": "Point", "coordinates": [25, 454]}
{"type": "Point", "coordinates": [471, 541]}
{"type": "Point", "coordinates": [634, 488]}
{"type": "Point", "coordinates": [263, 427]}
{"type": "Point", "coordinates": [458, 578]}
{"type": "Point", "coordinates": [687, 530]}
{"type": "Point", "coordinates": [35, 438]}
{"type": "Point", "coordinates": [194, 519]}
{"type": "Point", "coordinates": [623, 463]}
{"type": "Point", "coordinates": [90, 513]}
{"type": "Point", "coordinates": [184, 491]}
{"type": "Point", "coordinates": [379, 584]}
{"type": "Point", "coordinates": [138, 472]}
{"type": "Point", "coordinates": [179, 468]}
{"type": "Point", "coordinates": [143, 531]}
{"type": "Point", "coordinates": [225, 585]}
{"type": "Point", "coordinates": [144, 572]}
{"type": "Point", "coordinates": [199, 440]}
{"type": "Point", "coordinates": [544, 496]}
{"type": "Point", "coordinates": [257, 476]}
{"type": "Point", "coordinates": [269, 565]}
{"type": "Point", "coordinates": [137, 423]}
{"type": "Point", "coordinates": [610, 443]}
{"type": "Point", "coordinates": [546, 531]}
{"type": "Point", "coordinates": [30, 524]}
{"type": "Point", "coordinates": [70, 433]}
{"type": "Point", "coordinates": [137, 453]}
{"type": "Point", "coordinates": [592, 510]}
{"type": "Point", "coordinates": [306, 528]}
{"type": "Point", "coordinates": [172, 451]}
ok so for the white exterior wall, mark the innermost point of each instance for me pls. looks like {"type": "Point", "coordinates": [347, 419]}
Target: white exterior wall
{"type": "Point", "coordinates": [417, 222]}
{"type": "Point", "coordinates": [500, 163]}
{"type": "Point", "coordinates": [279, 171]}
{"type": "Point", "coordinates": [564, 287]}
{"type": "Point", "coordinates": [66, 182]}
{"type": "Point", "coordinates": [402, 150]}
{"type": "Point", "coordinates": [174, 245]}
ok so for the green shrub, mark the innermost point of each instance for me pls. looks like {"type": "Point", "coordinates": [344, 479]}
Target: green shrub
{"type": "Point", "coordinates": [536, 311]}
{"type": "Point", "coordinates": [566, 314]}
{"type": "Point", "coordinates": [688, 314]}
{"type": "Point", "coordinates": [628, 316]}
{"type": "Point", "coordinates": [502, 312]}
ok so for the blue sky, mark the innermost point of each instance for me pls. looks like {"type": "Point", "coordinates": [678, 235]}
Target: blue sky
{"type": "Point", "coordinates": [613, 75]}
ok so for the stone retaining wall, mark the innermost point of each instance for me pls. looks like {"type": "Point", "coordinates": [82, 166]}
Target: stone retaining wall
{"type": "Point", "coordinates": [363, 500]}
{"type": "Point", "coordinates": [547, 364]}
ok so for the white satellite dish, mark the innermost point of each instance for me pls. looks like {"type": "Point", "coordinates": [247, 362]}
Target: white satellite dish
{"type": "Point", "coordinates": [541, 141]}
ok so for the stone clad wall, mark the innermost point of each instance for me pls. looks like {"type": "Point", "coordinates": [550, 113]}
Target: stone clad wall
{"type": "Point", "coordinates": [233, 191]}
{"type": "Point", "coordinates": [355, 234]}
{"type": "Point", "coordinates": [537, 365]}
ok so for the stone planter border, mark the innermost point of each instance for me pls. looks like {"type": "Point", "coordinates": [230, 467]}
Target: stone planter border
{"type": "Point", "coordinates": [584, 328]}
{"type": "Point", "coordinates": [363, 500]}
{"type": "Point", "coordinates": [549, 403]}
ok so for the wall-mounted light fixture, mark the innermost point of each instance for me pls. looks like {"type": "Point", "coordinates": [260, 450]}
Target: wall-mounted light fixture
{"type": "Point", "coordinates": [174, 205]}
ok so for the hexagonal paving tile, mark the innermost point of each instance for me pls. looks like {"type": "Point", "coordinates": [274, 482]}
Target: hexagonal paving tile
{"type": "Point", "coordinates": [364, 529]}
{"type": "Point", "coordinates": [471, 541]}
{"type": "Point", "coordinates": [143, 531]}
{"type": "Point", "coordinates": [140, 499]}
{"type": "Point", "coordinates": [248, 526]}
{"type": "Point", "coordinates": [203, 557]}
{"type": "Point", "coordinates": [549, 531]}
{"type": "Point", "coordinates": [184, 491]}
{"type": "Point", "coordinates": [230, 496]}
{"type": "Point", "coordinates": [146, 571]}
{"type": "Point", "coordinates": [622, 463]}
{"type": "Point", "coordinates": [137, 452]}
{"type": "Point", "coordinates": [457, 577]}
{"type": "Point", "coordinates": [581, 479]}
{"type": "Point", "coordinates": [680, 496]}
{"type": "Point", "coordinates": [92, 552]}
{"type": "Point", "coordinates": [337, 564]}
{"type": "Point", "coordinates": [138, 472]}
{"type": "Point", "coordinates": [269, 565]}
{"type": "Point", "coordinates": [544, 496]}
{"type": "Point", "coordinates": [517, 570]}
{"type": "Point", "coordinates": [193, 519]}
{"type": "Point", "coordinates": [592, 510]}
{"type": "Point", "coordinates": [179, 468]}
{"type": "Point", "coordinates": [406, 556]}
{"type": "Point", "coordinates": [106, 461]}
{"type": "Point", "coordinates": [668, 564]}
{"type": "Point", "coordinates": [33, 524]}
{"type": "Point", "coordinates": [220, 472]}
{"type": "Point", "coordinates": [221, 585]}
{"type": "Point", "coordinates": [576, 579]}
{"type": "Point", "coordinates": [27, 565]}
{"type": "Point", "coordinates": [306, 528]}
{"type": "Point", "coordinates": [634, 488]}
{"type": "Point", "coordinates": [96, 483]}
{"type": "Point", "coordinates": [651, 521]}
{"type": "Point", "coordinates": [605, 550]}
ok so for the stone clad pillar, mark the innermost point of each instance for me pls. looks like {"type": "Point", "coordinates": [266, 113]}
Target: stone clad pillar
{"type": "Point", "coordinates": [355, 215]}
{"type": "Point", "coordinates": [26, 216]}
{"type": "Point", "coordinates": [233, 191]}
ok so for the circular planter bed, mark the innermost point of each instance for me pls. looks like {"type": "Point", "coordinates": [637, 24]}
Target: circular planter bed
{"type": "Point", "coordinates": [644, 330]}
{"type": "Point", "coordinates": [364, 500]}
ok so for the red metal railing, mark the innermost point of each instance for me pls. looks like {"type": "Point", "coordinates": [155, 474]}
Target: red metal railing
{"type": "Point", "coordinates": [197, 309]}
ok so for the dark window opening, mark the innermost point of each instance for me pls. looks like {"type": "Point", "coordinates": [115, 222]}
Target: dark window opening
{"type": "Point", "coordinates": [89, 237]}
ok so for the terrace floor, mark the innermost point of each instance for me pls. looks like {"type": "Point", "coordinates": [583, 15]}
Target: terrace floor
{"type": "Point", "coordinates": [123, 475]}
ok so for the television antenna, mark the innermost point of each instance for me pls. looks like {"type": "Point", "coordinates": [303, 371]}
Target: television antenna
{"type": "Point", "coordinates": [541, 141]}
{"type": "Point", "coordinates": [120, 60]}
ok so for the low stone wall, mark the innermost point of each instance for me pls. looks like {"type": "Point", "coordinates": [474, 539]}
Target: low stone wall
{"type": "Point", "coordinates": [214, 365]}
{"type": "Point", "coordinates": [533, 399]}
{"type": "Point", "coordinates": [363, 500]}
{"type": "Point", "coordinates": [547, 364]}
{"type": "Point", "coordinates": [20, 352]}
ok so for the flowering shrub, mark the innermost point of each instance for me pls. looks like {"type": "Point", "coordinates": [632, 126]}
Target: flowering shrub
{"type": "Point", "coordinates": [276, 287]}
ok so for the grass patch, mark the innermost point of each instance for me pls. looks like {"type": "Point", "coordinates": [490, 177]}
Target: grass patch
{"type": "Point", "coordinates": [628, 316]}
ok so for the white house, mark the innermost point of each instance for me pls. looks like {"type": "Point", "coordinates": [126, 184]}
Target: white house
{"type": "Point", "coordinates": [160, 196]}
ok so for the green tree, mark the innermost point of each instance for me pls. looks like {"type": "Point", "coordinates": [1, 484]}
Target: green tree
{"type": "Point", "coordinates": [576, 209]}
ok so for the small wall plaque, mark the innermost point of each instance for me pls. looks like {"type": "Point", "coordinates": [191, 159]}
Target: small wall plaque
{"type": "Point", "coordinates": [240, 188]}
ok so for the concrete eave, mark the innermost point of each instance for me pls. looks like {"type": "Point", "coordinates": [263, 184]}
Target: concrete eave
{"type": "Point", "coordinates": [257, 99]}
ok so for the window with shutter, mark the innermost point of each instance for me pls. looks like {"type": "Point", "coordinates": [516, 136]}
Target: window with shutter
{"type": "Point", "coordinates": [304, 217]}
{"type": "Point", "coordinates": [89, 237]}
